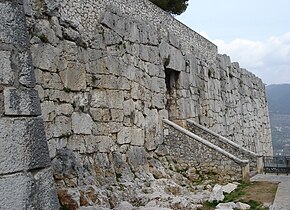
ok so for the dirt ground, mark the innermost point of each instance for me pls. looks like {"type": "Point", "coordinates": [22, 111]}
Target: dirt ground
{"type": "Point", "coordinates": [259, 195]}
{"type": "Point", "coordinates": [262, 192]}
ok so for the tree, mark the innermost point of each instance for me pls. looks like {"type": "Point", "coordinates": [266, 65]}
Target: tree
{"type": "Point", "coordinates": [175, 7]}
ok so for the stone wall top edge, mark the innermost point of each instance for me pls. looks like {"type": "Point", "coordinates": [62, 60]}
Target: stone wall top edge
{"type": "Point", "coordinates": [243, 70]}
{"type": "Point", "coordinates": [166, 20]}
{"type": "Point", "coordinates": [142, 10]}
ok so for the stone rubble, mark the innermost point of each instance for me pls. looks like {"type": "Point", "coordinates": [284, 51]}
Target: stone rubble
{"type": "Point", "coordinates": [217, 193]}
{"type": "Point", "coordinates": [230, 187]}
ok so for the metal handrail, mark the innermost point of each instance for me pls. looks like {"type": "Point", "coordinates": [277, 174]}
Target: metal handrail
{"type": "Point", "coordinates": [277, 164]}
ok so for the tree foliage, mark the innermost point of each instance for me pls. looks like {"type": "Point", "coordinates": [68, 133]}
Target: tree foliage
{"type": "Point", "coordinates": [172, 6]}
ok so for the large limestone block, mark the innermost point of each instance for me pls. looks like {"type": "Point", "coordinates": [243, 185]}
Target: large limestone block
{"type": "Point", "coordinates": [62, 126]}
{"type": "Point", "coordinates": [217, 193]}
{"type": "Point", "coordinates": [99, 99]}
{"type": "Point", "coordinates": [74, 76]}
{"type": "Point", "coordinates": [6, 72]}
{"type": "Point", "coordinates": [138, 137]}
{"type": "Point", "coordinates": [16, 196]}
{"type": "Point", "coordinates": [82, 123]}
{"type": "Point", "coordinates": [45, 57]}
{"type": "Point", "coordinates": [116, 99]}
{"type": "Point", "coordinates": [23, 145]}
{"type": "Point", "coordinates": [21, 102]}
{"type": "Point", "coordinates": [230, 187]}
{"type": "Point", "coordinates": [44, 31]}
{"type": "Point", "coordinates": [27, 191]}
{"type": "Point", "coordinates": [48, 110]}
{"type": "Point", "coordinates": [172, 58]}
{"type": "Point", "coordinates": [43, 192]}
{"type": "Point", "coordinates": [115, 22]}
{"type": "Point", "coordinates": [12, 33]}
{"type": "Point", "coordinates": [105, 143]}
{"type": "Point", "coordinates": [124, 136]}
{"type": "Point", "coordinates": [124, 205]}
{"type": "Point", "coordinates": [137, 158]}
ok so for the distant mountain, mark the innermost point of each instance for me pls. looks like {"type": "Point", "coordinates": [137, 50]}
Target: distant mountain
{"type": "Point", "coordinates": [279, 108]}
{"type": "Point", "coordinates": [279, 98]}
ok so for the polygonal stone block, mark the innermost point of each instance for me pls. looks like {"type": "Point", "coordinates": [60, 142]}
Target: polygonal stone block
{"type": "Point", "coordinates": [82, 123]}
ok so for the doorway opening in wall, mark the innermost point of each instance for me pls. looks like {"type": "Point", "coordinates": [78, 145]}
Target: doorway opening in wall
{"type": "Point", "coordinates": [171, 80]}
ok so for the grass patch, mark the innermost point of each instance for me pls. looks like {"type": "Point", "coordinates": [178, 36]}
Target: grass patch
{"type": "Point", "coordinates": [237, 194]}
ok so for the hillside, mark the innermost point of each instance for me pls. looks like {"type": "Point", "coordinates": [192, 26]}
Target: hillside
{"type": "Point", "coordinates": [279, 98]}
{"type": "Point", "coordinates": [279, 108]}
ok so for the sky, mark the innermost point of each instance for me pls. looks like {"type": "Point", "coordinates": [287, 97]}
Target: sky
{"type": "Point", "coordinates": [255, 33]}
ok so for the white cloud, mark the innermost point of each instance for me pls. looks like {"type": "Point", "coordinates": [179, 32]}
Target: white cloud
{"type": "Point", "coordinates": [270, 59]}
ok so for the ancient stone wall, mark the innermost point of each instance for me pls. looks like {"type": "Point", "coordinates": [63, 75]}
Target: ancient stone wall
{"type": "Point", "coordinates": [26, 180]}
{"type": "Point", "coordinates": [108, 72]}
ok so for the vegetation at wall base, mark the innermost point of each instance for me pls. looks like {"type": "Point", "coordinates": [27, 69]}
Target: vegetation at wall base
{"type": "Point", "coordinates": [253, 194]}
{"type": "Point", "coordinates": [175, 7]}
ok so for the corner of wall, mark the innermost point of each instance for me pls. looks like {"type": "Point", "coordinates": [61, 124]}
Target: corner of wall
{"type": "Point", "coordinates": [26, 180]}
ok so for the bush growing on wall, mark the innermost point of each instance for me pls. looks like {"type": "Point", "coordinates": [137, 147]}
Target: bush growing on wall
{"type": "Point", "coordinates": [172, 6]}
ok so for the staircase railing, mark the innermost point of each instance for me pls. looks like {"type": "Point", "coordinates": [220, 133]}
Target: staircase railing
{"type": "Point", "coordinates": [222, 138]}
{"type": "Point", "coordinates": [243, 163]}
{"type": "Point", "coordinates": [256, 160]}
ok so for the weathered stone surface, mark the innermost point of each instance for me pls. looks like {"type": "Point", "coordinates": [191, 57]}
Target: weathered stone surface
{"type": "Point", "coordinates": [124, 206]}
{"type": "Point", "coordinates": [6, 73]}
{"type": "Point", "coordinates": [138, 137]}
{"type": "Point", "coordinates": [137, 158]}
{"type": "Point", "coordinates": [70, 198]}
{"type": "Point", "coordinates": [28, 191]}
{"type": "Point", "coordinates": [105, 144]}
{"type": "Point", "coordinates": [62, 126]}
{"type": "Point", "coordinates": [226, 206]}
{"type": "Point", "coordinates": [242, 206]}
{"type": "Point", "coordinates": [124, 136]}
{"type": "Point", "coordinates": [172, 57]}
{"type": "Point", "coordinates": [217, 193]}
{"type": "Point", "coordinates": [152, 208]}
{"type": "Point", "coordinates": [48, 110]}
{"type": "Point", "coordinates": [19, 189]}
{"type": "Point", "coordinates": [23, 145]}
{"type": "Point", "coordinates": [15, 33]}
{"type": "Point", "coordinates": [43, 192]}
{"type": "Point", "coordinates": [64, 109]}
{"type": "Point", "coordinates": [21, 102]}
{"type": "Point", "coordinates": [45, 56]}
{"type": "Point", "coordinates": [74, 76]}
{"type": "Point", "coordinates": [44, 31]}
{"type": "Point", "coordinates": [230, 187]}
{"type": "Point", "coordinates": [82, 123]}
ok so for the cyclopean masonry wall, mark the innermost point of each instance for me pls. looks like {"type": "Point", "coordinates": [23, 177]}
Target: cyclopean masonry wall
{"type": "Point", "coordinates": [108, 72]}
{"type": "Point", "coordinates": [26, 180]}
